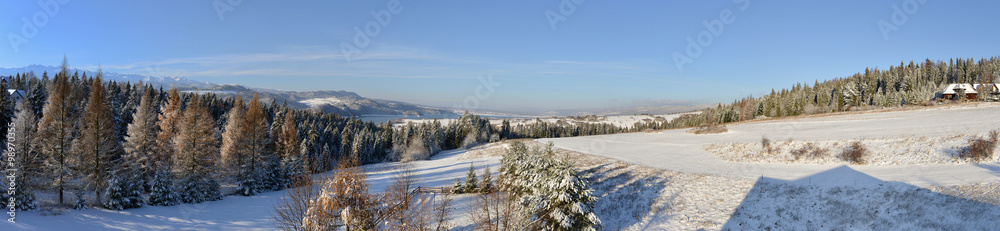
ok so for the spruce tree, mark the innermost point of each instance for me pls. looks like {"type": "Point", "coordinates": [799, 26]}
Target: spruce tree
{"type": "Point", "coordinates": [163, 193]}
{"type": "Point", "coordinates": [98, 144]}
{"type": "Point", "coordinates": [295, 169]}
{"type": "Point", "coordinates": [457, 187]}
{"type": "Point", "coordinates": [196, 148]}
{"type": "Point", "coordinates": [470, 180]}
{"type": "Point", "coordinates": [124, 192]}
{"type": "Point", "coordinates": [263, 160]}
{"type": "Point", "coordinates": [56, 132]}
{"type": "Point", "coordinates": [140, 142]}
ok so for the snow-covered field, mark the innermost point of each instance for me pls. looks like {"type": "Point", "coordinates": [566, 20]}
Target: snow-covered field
{"type": "Point", "coordinates": [668, 181]}
{"type": "Point", "coordinates": [881, 151]}
{"type": "Point", "coordinates": [750, 195]}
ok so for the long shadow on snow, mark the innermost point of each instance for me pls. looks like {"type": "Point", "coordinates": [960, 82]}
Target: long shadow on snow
{"type": "Point", "coordinates": [844, 198]}
{"type": "Point", "coordinates": [624, 198]}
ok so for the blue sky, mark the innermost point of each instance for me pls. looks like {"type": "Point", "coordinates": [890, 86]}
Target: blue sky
{"type": "Point", "coordinates": [604, 54]}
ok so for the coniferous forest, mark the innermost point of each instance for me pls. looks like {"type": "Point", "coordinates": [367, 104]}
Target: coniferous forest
{"type": "Point", "coordinates": [121, 141]}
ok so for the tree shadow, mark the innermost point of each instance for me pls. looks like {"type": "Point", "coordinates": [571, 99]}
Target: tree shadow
{"type": "Point", "coordinates": [624, 197]}
{"type": "Point", "coordinates": [844, 198]}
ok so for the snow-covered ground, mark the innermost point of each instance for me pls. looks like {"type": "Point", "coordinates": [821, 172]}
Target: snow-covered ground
{"type": "Point", "coordinates": [680, 151]}
{"type": "Point", "coordinates": [321, 101]}
{"type": "Point", "coordinates": [254, 212]}
{"type": "Point", "coordinates": [880, 151]}
{"type": "Point", "coordinates": [749, 195]}
{"type": "Point", "coordinates": [668, 181]}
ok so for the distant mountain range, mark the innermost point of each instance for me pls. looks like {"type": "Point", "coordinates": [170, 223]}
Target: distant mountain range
{"type": "Point", "coordinates": [343, 103]}
{"type": "Point", "coordinates": [166, 82]}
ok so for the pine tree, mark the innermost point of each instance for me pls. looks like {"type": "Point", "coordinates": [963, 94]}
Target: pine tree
{"type": "Point", "coordinates": [263, 159]}
{"type": "Point", "coordinates": [234, 151]}
{"type": "Point", "coordinates": [470, 180]}
{"type": "Point", "coordinates": [168, 121]}
{"type": "Point", "coordinates": [293, 163]}
{"type": "Point", "coordinates": [55, 132]}
{"type": "Point", "coordinates": [140, 142]}
{"type": "Point", "coordinates": [98, 144]}
{"type": "Point", "coordinates": [28, 160]}
{"type": "Point", "coordinates": [162, 193]}
{"type": "Point", "coordinates": [196, 148]}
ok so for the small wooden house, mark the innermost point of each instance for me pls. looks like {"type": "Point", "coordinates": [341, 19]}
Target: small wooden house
{"type": "Point", "coordinates": [16, 95]}
{"type": "Point", "coordinates": [960, 91]}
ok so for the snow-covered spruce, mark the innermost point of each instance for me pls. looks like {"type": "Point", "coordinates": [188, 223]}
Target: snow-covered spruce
{"type": "Point", "coordinates": [81, 203]}
{"type": "Point", "coordinates": [471, 185]}
{"type": "Point", "coordinates": [124, 193]}
{"type": "Point", "coordinates": [550, 189]}
{"type": "Point", "coordinates": [163, 193]}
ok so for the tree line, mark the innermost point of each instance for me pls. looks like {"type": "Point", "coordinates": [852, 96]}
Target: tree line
{"type": "Point", "coordinates": [913, 83]}
{"type": "Point", "coordinates": [121, 141]}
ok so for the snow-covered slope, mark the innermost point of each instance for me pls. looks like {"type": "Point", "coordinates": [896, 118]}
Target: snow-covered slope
{"type": "Point", "coordinates": [681, 151]}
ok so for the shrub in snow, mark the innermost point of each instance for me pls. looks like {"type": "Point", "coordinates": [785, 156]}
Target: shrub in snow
{"type": "Point", "coordinates": [980, 148]}
{"type": "Point", "coordinates": [25, 200]}
{"type": "Point", "coordinates": [81, 203]}
{"type": "Point", "coordinates": [765, 143]}
{"type": "Point", "coordinates": [344, 201]}
{"type": "Point", "coordinates": [809, 150]}
{"type": "Point", "coordinates": [124, 193]}
{"type": "Point", "coordinates": [457, 188]}
{"type": "Point", "coordinates": [855, 153]}
{"type": "Point", "coordinates": [163, 193]}
{"type": "Point", "coordinates": [550, 189]}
